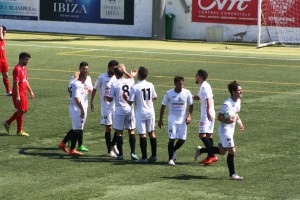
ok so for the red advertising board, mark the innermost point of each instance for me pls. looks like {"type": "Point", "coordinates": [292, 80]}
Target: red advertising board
{"type": "Point", "coordinates": [225, 11]}
{"type": "Point", "coordinates": [285, 13]}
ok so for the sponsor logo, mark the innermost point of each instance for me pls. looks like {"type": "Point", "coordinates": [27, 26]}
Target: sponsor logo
{"type": "Point", "coordinates": [228, 5]}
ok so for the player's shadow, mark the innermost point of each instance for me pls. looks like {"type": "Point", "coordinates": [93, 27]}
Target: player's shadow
{"type": "Point", "coordinates": [6, 134]}
{"type": "Point", "coordinates": [187, 177]}
{"type": "Point", "coordinates": [42, 152]}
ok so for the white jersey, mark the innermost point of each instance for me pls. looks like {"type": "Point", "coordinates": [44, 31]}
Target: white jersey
{"type": "Point", "coordinates": [231, 105]}
{"type": "Point", "coordinates": [178, 103]}
{"type": "Point", "coordinates": [117, 89]}
{"type": "Point", "coordinates": [205, 93]}
{"type": "Point", "coordinates": [103, 83]}
{"type": "Point", "coordinates": [77, 91]}
{"type": "Point", "coordinates": [142, 94]}
{"type": "Point", "coordinates": [88, 86]}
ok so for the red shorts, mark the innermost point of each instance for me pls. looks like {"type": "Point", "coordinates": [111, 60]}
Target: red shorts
{"type": "Point", "coordinates": [22, 105]}
{"type": "Point", "coordinates": [3, 66]}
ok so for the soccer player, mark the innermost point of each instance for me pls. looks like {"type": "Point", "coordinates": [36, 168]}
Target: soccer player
{"type": "Point", "coordinates": [88, 87]}
{"type": "Point", "coordinates": [103, 83]}
{"type": "Point", "coordinates": [124, 113]}
{"type": "Point", "coordinates": [78, 113]}
{"type": "Point", "coordinates": [207, 115]}
{"type": "Point", "coordinates": [142, 94]}
{"type": "Point", "coordinates": [227, 126]}
{"type": "Point", "coordinates": [19, 97]}
{"type": "Point", "coordinates": [179, 99]}
{"type": "Point", "coordinates": [3, 61]}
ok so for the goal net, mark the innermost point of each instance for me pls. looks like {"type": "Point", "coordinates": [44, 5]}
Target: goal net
{"type": "Point", "coordinates": [278, 22]}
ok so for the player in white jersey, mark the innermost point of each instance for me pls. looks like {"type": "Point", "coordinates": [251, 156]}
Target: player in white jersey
{"type": "Point", "coordinates": [88, 87]}
{"type": "Point", "coordinates": [227, 126]}
{"type": "Point", "coordinates": [179, 99]}
{"type": "Point", "coordinates": [124, 113]}
{"type": "Point", "coordinates": [103, 83]}
{"type": "Point", "coordinates": [207, 116]}
{"type": "Point", "coordinates": [78, 112]}
{"type": "Point", "coordinates": [142, 95]}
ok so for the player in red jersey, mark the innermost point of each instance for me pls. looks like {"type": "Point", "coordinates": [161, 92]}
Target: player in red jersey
{"type": "Point", "coordinates": [3, 61]}
{"type": "Point", "coordinates": [20, 86]}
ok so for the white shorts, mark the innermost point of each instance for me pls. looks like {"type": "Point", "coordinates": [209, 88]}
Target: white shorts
{"type": "Point", "coordinates": [122, 122]}
{"type": "Point", "coordinates": [77, 121]}
{"type": "Point", "coordinates": [107, 116]}
{"type": "Point", "coordinates": [226, 139]}
{"type": "Point", "coordinates": [206, 126]}
{"type": "Point", "coordinates": [145, 126]}
{"type": "Point", "coordinates": [177, 131]}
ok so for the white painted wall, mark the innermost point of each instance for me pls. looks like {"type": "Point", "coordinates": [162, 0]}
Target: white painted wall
{"type": "Point", "coordinates": [183, 28]}
{"type": "Point", "coordinates": [142, 24]}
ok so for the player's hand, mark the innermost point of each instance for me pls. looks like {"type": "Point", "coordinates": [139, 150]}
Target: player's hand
{"type": "Point", "coordinates": [188, 120]}
{"type": "Point", "coordinates": [92, 107]}
{"type": "Point", "coordinates": [209, 117]}
{"type": "Point", "coordinates": [76, 75]}
{"type": "Point", "coordinates": [32, 95]}
{"type": "Point", "coordinates": [133, 72]}
{"type": "Point", "coordinates": [123, 67]}
{"type": "Point", "coordinates": [241, 126]}
{"type": "Point", "coordinates": [18, 99]}
{"type": "Point", "coordinates": [196, 98]}
{"type": "Point", "coordinates": [160, 123]}
{"type": "Point", "coordinates": [82, 114]}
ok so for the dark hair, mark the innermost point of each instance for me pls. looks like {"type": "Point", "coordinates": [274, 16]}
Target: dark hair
{"type": "Point", "coordinates": [118, 72]}
{"type": "Point", "coordinates": [113, 63]}
{"type": "Point", "coordinates": [178, 79]}
{"type": "Point", "coordinates": [83, 64]}
{"type": "Point", "coordinates": [4, 28]}
{"type": "Point", "coordinates": [24, 55]}
{"type": "Point", "coordinates": [202, 73]}
{"type": "Point", "coordinates": [143, 72]}
{"type": "Point", "coordinates": [232, 86]}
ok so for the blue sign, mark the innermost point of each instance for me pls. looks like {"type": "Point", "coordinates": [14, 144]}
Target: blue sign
{"type": "Point", "coordinates": [88, 11]}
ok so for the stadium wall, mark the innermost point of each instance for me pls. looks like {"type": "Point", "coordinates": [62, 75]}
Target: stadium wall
{"type": "Point", "coordinates": [32, 15]}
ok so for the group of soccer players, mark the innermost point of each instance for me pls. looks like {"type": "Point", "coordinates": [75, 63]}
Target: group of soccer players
{"type": "Point", "coordinates": [117, 97]}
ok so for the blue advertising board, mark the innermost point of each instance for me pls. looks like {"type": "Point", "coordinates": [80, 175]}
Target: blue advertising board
{"type": "Point", "coordinates": [88, 11]}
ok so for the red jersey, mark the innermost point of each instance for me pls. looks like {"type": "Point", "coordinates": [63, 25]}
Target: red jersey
{"type": "Point", "coordinates": [2, 51]}
{"type": "Point", "coordinates": [20, 76]}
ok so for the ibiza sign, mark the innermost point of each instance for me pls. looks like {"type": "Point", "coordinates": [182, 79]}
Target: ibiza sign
{"type": "Point", "coordinates": [225, 11]}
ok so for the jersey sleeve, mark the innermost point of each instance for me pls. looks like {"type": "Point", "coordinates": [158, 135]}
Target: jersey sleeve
{"type": "Point", "coordinates": [165, 99]}
{"type": "Point", "coordinates": [154, 94]}
{"type": "Point", "coordinates": [16, 77]}
{"type": "Point", "coordinates": [189, 97]}
{"type": "Point", "coordinates": [224, 108]}
{"type": "Point", "coordinates": [97, 84]}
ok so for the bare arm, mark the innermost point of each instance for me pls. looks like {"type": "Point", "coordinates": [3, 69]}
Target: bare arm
{"type": "Point", "coordinates": [92, 99]}
{"type": "Point", "coordinates": [222, 119]}
{"type": "Point", "coordinates": [1, 33]}
{"type": "Point", "coordinates": [78, 102]}
{"type": "Point", "coordinates": [161, 114]}
{"type": "Point", "coordinates": [30, 91]}
{"type": "Point", "coordinates": [189, 114]}
{"type": "Point", "coordinates": [126, 98]}
{"type": "Point", "coordinates": [209, 102]}
{"type": "Point", "coordinates": [109, 99]}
